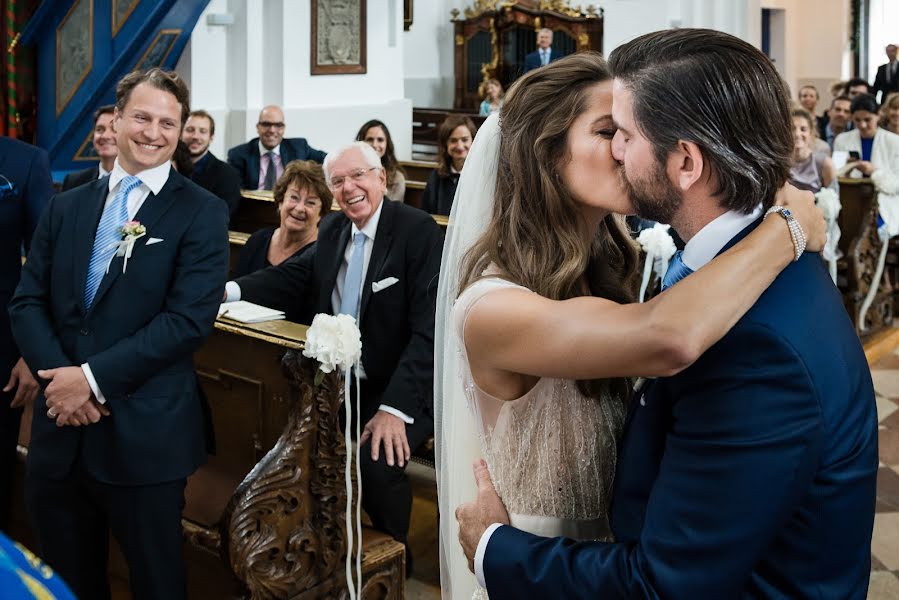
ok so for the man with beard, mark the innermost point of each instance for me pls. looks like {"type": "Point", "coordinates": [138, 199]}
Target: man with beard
{"type": "Point", "coordinates": [209, 172]}
{"type": "Point", "coordinates": [752, 472]}
{"type": "Point", "coordinates": [104, 146]}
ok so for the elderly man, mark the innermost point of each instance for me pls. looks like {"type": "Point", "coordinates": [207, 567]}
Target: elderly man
{"type": "Point", "coordinates": [104, 146]}
{"type": "Point", "coordinates": [209, 172]}
{"type": "Point", "coordinates": [887, 79]}
{"type": "Point", "coordinates": [261, 161]}
{"type": "Point", "coordinates": [122, 421]}
{"type": "Point", "coordinates": [377, 261]}
{"type": "Point", "coordinates": [544, 54]}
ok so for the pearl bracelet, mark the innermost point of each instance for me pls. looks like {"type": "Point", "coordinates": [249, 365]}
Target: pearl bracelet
{"type": "Point", "coordinates": [796, 233]}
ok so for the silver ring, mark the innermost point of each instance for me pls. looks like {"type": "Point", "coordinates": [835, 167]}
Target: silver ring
{"type": "Point", "coordinates": [51, 413]}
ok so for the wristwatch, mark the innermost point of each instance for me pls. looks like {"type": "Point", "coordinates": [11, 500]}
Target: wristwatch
{"type": "Point", "coordinates": [796, 232]}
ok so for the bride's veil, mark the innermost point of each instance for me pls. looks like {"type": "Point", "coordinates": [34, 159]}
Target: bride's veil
{"type": "Point", "coordinates": [456, 434]}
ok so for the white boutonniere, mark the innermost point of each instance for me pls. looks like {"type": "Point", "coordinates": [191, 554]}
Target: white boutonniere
{"type": "Point", "coordinates": [131, 232]}
{"type": "Point", "coordinates": [335, 341]}
{"type": "Point", "coordinates": [659, 247]}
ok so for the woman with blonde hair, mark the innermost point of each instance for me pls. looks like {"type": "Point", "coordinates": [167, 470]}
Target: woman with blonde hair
{"type": "Point", "coordinates": [810, 167]}
{"type": "Point", "coordinates": [889, 113]}
{"type": "Point", "coordinates": [536, 332]}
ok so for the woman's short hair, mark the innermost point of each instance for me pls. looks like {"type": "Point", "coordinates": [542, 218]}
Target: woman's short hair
{"type": "Point", "coordinates": [865, 102]}
{"type": "Point", "coordinates": [304, 175]}
{"type": "Point", "coordinates": [444, 160]}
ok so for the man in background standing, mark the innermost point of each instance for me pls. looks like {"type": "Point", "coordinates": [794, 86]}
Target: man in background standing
{"type": "Point", "coordinates": [887, 79]}
{"type": "Point", "coordinates": [544, 54]}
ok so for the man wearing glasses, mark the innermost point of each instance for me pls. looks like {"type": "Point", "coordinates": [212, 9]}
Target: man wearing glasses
{"type": "Point", "coordinates": [377, 261]}
{"type": "Point", "coordinates": [261, 161]}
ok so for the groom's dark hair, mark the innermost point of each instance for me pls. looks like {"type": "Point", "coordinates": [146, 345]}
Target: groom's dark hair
{"type": "Point", "coordinates": [719, 92]}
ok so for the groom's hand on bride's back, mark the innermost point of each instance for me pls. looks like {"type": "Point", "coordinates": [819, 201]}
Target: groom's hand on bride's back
{"type": "Point", "coordinates": [475, 517]}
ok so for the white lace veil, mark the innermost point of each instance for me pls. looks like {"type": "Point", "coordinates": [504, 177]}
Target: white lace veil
{"type": "Point", "coordinates": [455, 431]}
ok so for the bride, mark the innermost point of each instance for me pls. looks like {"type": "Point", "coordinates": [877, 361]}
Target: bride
{"type": "Point", "coordinates": [535, 327]}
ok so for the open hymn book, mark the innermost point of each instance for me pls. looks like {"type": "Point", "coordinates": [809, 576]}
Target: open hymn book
{"type": "Point", "coordinates": [247, 312]}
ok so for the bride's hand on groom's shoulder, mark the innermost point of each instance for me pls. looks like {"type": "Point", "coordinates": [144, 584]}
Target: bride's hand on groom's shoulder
{"type": "Point", "coordinates": [802, 204]}
{"type": "Point", "coordinates": [475, 517]}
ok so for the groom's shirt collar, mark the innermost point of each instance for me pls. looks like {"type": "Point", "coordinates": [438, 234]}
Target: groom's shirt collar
{"type": "Point", "coordinates": [709, 240]}
{"type": "Point", "coordinates": [154, 178]}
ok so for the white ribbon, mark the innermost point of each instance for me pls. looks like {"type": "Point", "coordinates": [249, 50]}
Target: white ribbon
{"type": "Point", "coordinates": [354, 586]}
{"type": "Point", "coordinates": [123, 248]}
{"type": "Point", "coordinates": [659, 247]}
{"type": "Point", "coordinates": [884, 236]}
{"type": "Point", "coordinates": [829, 203]}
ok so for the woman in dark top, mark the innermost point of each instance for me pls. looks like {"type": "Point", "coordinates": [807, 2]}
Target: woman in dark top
{"type": "Point", "coordinates": [454, 139]}
{"type": "Point", "coordinates": [302, 199]}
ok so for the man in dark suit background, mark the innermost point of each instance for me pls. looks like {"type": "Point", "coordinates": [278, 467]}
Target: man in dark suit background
{"type": "Point", "coordinates": [544, 53]}
{"type": "Point", "coordinates": [254, 159]}
{"type": "Point", "coordinates": [887, 79]}
{"type": "Point", "coordinates": [209, 172]}
{"type": "Point", "coordinates": [377, 261]}
{"type": "Point", "coordinates": [25, 188]}
{"type": "Point", "coordinates": [104, 146]}
{"type": "Point", "coordinates": [122, 421]}
{"type": "Point", "coordinates": [751, 473]}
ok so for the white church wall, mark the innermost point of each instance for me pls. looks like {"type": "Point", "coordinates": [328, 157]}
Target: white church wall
{"type": "Point", "coordinates": [264, 57]}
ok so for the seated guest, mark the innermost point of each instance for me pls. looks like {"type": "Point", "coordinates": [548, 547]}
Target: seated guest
{"type": "Point", "coordinates": [398, 247]}
{"type": "Point", "coordinates": [808, 99]}
{"type": "Point", "coordinates": [255, 159]}
{"type": "Point", "coordinates": [810, 167]}
{"type": "Point", "coordinates": [889, 113]}
{"type": "Point", "coordinates": [453, 140]}
{"type": "Point", "coordinates": [856, 86]}
{"type": "Point", "coordinates": [493, 97]}
{"type": "Point", "coordinates": [209, 172]}
{"type": "Point", "coordinates": [544, 54]}
{"type": "Point", "coordinates": [375, 134]}
{"type": "Point", "coordinates": [104, 146]}
{"type": "Point", "coordinates": [838, 119]}
{"type": "Point", "coordinates": [878, 152]}
{"type": "Point", "coordinates": [302, 199]}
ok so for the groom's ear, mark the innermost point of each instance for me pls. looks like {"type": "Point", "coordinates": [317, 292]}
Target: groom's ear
{"type": "Point", "coordinates": [685, 165]}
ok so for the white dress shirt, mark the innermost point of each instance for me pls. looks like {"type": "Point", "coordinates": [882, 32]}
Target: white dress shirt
{"type": "Point", "coordinates": [698, 252]}
{"type": "Point", "coordinates": [232, 289]}
{"type": "Point", "coordinates": [152, 180]}
{"type": "Point", "coordinates": [101, 172]}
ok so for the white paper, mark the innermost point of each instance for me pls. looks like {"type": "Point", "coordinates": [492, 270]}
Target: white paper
{"type": "Point", "coordinates": [247, 312]}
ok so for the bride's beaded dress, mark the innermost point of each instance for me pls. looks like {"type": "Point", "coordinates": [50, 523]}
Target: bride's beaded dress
{"type": "Point", "coordinates": [551, 453]}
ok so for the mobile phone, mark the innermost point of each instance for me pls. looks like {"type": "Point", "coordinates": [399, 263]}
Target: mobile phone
{"type": "Point", "coordinates": [853, 155]}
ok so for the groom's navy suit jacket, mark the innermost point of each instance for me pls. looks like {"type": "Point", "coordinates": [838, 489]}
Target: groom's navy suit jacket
{"type": "Point", "coordinates": [138, 337]}
{"type": "Point", "coordinates": [751, 474]}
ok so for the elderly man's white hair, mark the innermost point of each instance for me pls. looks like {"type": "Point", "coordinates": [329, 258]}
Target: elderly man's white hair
{"type": "Point", "coordinates": [547, 30]}
{"type": "Point", "coordinates": [368, 154]}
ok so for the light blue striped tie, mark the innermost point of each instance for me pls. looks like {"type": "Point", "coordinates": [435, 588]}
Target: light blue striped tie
{"type": "Point", "coordinates": [352, 283]}
{"type": "Point", "coordinates": [677, 270]}
{"type": "Point", "coordinates": [115, 215]}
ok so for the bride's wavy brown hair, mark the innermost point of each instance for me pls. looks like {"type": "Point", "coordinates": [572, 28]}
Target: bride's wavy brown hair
{"type": "Point", "coordinates": [535, 237]}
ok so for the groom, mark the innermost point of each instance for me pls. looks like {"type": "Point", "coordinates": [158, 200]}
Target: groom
{"type": "Point", "coordinates": [751, 473]}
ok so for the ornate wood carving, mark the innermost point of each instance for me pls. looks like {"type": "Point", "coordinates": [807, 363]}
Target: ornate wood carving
{"type": "Point", "coordinates": [284, 529]}
{"type": "Point", "coordinates": [74, 51]}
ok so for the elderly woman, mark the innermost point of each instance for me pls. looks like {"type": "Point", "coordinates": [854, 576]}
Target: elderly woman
{"type": "Point", "coordinates": [375, 134]}
{"type": "Point", "coordinates": [493, 97]}
{"type": "Point", "coordinates": [454, 140]}
{"type": "Point", "coordinates": [810, 167]}
{"type": "Point", "coordinates": [302, 199]}
{"type": "Point", "coordinates": [878, 156]}
{"type": "Point", "coordinates": [889, 113]}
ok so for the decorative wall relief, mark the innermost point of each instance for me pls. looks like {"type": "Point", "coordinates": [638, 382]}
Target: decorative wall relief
{"type": "Point", "coordinates": [121, 10]}
{"type": "Point", "coordinates": [158, 50]}
{"type": "Point", "coordinates": [74, 51]}
{"type": "Point", "coordinates": [338, 37]}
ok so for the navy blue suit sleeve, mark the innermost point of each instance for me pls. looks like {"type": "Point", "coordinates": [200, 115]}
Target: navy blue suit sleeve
{"type": "Point", "coordinates": [29, 310]}
{"type": "Point", "coordinates": [37, 193]}
{"type": "Point", "coordinates": [238, 157]}
{"type": "Point", "coordinates": [741, 450]}
{"type": "Point", "coordinates": [190, 309]}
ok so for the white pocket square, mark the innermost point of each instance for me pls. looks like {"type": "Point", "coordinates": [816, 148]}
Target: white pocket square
{"type": "Point", "coordinates": [152, 241]}
{"type": "Point", "coordinates": [377, 286]}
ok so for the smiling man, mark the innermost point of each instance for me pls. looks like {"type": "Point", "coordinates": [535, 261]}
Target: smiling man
{"type": "Point", "coordinates": [261, 161]}
{"type": "Point", "coordinates": [105, 147]}
{"type": "Point", "coordinates": [121, 421]}
{"type": "Point", "coordinates": [209, 172]}
{"type": "Point", "coordinates": [377, 261]}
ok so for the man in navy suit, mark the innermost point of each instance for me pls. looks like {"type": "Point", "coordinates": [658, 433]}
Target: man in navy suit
{"type": "Point", "coordinates": [25, 188]}
{"type": "Point", "coordinates": [255, 159]}
{"type": "Point", "coordinates": [886, 81]}
{"type": "Point", "coordinates": [544, 53]}
{"type": "Point", "coordinates": [752, 473]}
{"type": "Point", "coordinates": [104, 146]}
{"type": "Point", "coordinates": [111, 334]}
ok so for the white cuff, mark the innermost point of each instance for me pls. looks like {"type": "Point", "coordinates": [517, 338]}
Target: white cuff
{"type": "Point", "coordinates": [93, 383]}
{"type": "Point", "coordinates": [481, 551]}
{"type": "Point", "coordinates": [232, 292]}
{"type": "Point", "coordinates": [397, 413]}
